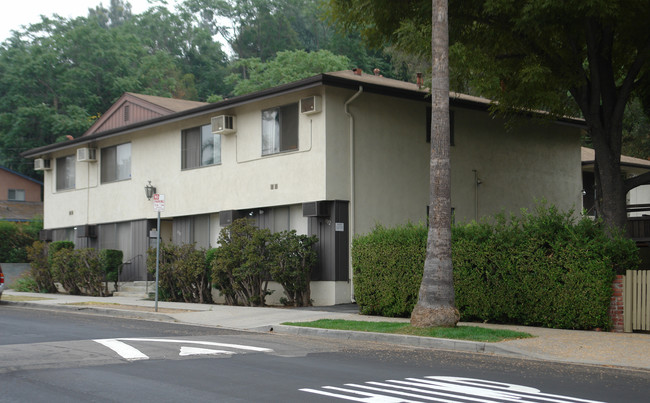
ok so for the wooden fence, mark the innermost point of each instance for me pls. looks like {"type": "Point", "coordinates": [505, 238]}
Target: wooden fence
{"type": "Point", "coordinates": [637, 301]}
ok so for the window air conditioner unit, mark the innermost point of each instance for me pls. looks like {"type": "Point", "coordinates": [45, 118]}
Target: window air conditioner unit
{"type": "Point", "coordinates": [87, 231]}
{"type": "Point", "coordinates": [45, 235]}
{"type": "Point", "coordinates": [316, 209]}
{"type": "Point", "coordinates": [224, 124]}
{"type": "Point", "coordinates": [42, 164]}
{"type": "Point", "coordinates": [86, 155]}
{"type": "Point", "coordinates": [310, 105]}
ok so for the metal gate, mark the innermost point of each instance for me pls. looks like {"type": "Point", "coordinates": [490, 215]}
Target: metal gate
{"type": "Point", "coordinates": [637, 302]}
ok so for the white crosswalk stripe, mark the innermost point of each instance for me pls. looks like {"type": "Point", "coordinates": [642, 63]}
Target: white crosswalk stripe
{"type": "Point", "coordinates": [441, 389]}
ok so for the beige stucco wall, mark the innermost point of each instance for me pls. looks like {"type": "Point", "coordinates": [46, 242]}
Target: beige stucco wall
{"type": "Point", "coordinates": [242, 180]}
{"type": "Point", "coordinates": [517, 167]}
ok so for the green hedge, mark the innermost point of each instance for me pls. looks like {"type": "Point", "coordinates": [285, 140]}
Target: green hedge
{"type": "Point", "coordinates": [388, 269]}
{"type": "Point", "coordinates": [541, 269]}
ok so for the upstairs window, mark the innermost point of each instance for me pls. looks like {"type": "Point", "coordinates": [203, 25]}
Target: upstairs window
{"type": "Point", "coordinates": [116, 163]}
{"type": "Point", "coordinates": [280, 129]}
{"type": "Point", "coordinates": [200, 147]}
{"type": "Point", "coordinates": [65, 172]}
{"type": "Point", "coordinates": [16, 195]}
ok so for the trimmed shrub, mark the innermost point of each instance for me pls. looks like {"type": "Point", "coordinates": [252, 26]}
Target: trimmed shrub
{"type": "Point", "coordinates": [541, 269]}
{"type": "Point", "coordinates": [111, 264]}
{"type": "Point", "coordinates": [241, 264]}
{"type": "Point", "coordinates": [183, 273]}
{"type": "Point", "coordinates": [90, 274]}
{"type": "Point", "coordinates": [292, 259]}
{"type": "Point", "coordinates": [63, 264]}
{"type": "Point", "coordinates": [40, 272]}
{"type": "Point", "coordinates": [388, 267]}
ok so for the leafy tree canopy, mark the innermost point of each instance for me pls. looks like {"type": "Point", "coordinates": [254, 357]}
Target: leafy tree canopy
{"type": "Point", "coordinates": [288, 66]}
{"type": "Point", "coordinates": [589, 56]}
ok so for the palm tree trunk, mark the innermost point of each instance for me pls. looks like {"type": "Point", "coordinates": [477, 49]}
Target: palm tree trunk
{"type": "Point", "coordinates": [435, 306]}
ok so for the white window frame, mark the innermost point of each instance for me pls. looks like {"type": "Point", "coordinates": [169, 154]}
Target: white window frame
{"type": "Point", "coordinates": [116, 163]}
{"type": "Point", "coordinates": [280, 129]}
{"type": "Point", "coordinates": [65, 172]}
{"type": "Point", "coordinates": [200, 147]}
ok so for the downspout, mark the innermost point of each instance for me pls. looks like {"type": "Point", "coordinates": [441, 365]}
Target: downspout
{"type": "Point", "coordinates": [352, 198]}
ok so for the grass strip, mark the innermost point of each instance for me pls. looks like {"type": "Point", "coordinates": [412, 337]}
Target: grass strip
{"type": "Point", "coordinates": [470, 333]}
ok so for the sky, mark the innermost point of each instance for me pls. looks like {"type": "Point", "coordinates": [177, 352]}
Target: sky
{"type": "Point", "coordinates": [15, 13]}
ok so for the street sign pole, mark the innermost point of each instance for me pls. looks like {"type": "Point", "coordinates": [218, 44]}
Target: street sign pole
{"type": "Point", "coordinates": [157, 257]}
{"type": "Point", "coordinates": [158, 205]}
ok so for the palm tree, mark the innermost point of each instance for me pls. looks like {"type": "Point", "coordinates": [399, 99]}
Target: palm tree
{"type": "Point", "coordinates": [435, 306]}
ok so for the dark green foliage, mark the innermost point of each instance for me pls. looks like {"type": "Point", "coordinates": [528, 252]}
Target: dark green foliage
{"type": "Point", "coordinates": [40, 267]}
{"type": "Point", "coordinates": [183, 273]}
{"type": "Point", "coordinates": [90, 274]}
{"type": "Point", "coordinates": [62, 265]}
{"type": "Point", "coordinates": [15, 238]}
{"type": "Point", "coordinates": [388, 267]}
{"type": "Point", "coordinates": [292, 259]}
{"type": "Point", "coordinates": [58, 245]}
{"type": "Point", "coordinates": [241, 264]}
{"type": "Point", "coordinates": [111, 262]}
{"type": "Point", "coordinates": [542, 269]}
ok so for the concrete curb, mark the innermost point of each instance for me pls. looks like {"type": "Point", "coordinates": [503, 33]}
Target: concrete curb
{"type": "Point", "coordinates": [90, 310]}
{"type": "Point", "coordinates": [399, 339]}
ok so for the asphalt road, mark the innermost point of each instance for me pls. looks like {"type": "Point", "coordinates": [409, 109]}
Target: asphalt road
{"type": "Point", "coordinates": [53, 356]}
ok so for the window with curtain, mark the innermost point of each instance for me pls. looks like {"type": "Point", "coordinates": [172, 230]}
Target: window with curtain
{"type": "Point", "coordinates": [65, 172]}
{"type": "Point", "coordinates": [116, 163]}
{"type": "Point", "coordinates": [200, 147]}
{"type": "Point", "coordinates": [280, 129]}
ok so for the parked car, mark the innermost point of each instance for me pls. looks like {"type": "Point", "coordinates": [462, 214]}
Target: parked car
{"type": "Point", "coordinates": [2, 281]}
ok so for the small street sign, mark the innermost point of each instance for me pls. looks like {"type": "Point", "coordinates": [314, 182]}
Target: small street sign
{"type": "Point", "coordinates": [158, 202]}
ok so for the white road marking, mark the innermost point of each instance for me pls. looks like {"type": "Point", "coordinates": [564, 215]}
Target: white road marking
{"type": "Point", "coordinates": [442, 389]}
{"type": "Point", "coordinates": [124, 350]}
{"type": "Point", "coordinates": [201, 351]}
{"type": "Point", "coordinates": [132, 354]}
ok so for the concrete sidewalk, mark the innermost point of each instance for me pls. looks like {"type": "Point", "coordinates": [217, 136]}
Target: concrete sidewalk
{"type": "Point", "coordinates": [631, 350]}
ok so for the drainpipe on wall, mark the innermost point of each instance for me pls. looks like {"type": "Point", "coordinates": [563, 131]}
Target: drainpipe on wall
{"type": "Point", "coordinates": [352, 198]}
{"type": "Point", "coordinates": [477, 182]}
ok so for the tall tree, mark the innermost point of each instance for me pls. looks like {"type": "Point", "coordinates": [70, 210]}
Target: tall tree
{"type": "Point", "coordinates": [383, 21]}
{"type": "Point", "coordinates": [590, 56]}
{"type": "Point", "coordinates": [435, 306]}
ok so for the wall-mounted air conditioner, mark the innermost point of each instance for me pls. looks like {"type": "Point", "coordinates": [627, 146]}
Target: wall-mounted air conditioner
{"type": "Point", "coordinates": [226, 217]}
{"type": "Point", "coordinates": [86, 231]}
{"type": "Point", "coordinates": [224, 124]}
{"type": "Point", "coordinates": [310, 105]}
{"type": "Point", "coordinates": [45, 235]}
{"type": "Point", "coordinates": [42, 164]}
{"type": "Point", "coordinates": [86, 155]}
{"type": "Point", "coordinates": [316, 209]}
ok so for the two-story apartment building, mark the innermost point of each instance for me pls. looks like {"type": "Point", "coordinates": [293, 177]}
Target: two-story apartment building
{"type": "Point", "coordinates": [332, 155]}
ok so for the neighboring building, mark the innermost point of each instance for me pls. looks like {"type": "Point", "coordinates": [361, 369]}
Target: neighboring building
{"type": "Point", "coordinates": [638, 199]}
{"type": "Point", "coordinates": [20, 196]}
{"type": "Point", "coordinates": [332, 155]}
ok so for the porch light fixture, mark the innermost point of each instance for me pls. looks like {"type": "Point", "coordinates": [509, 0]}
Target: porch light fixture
{"type": "Point", "coordinates": [149, 190]}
